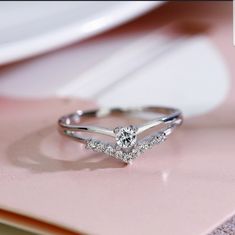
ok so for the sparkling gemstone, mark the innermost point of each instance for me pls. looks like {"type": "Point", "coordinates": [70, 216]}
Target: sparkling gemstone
{"type": "Point", "coordinates": [118, 154]}
{"type": "Point", "coordinates": [140, 148]}
{"type": "Point", "coordinates": [146, 145]}
{"type": "Point", "coordinates": [126, 137]}
{"type": "Point", "coordinates": [161, 137]}
{"type": "Point", "coordinates": [109, 150]}
{"type": "Point", "coordinates": [154, 140]}
{"type": "Point", "coordinates": [127, 157]}
{"type": "Point", "coordinates": [91, 144]}
{"type": "Point", "coordinates": [100, 147]}
{"type": "Point", "coordinates": [135, 152]}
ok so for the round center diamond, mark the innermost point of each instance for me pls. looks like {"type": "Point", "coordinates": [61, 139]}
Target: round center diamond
{"type": "Point", "coordinates": [126, 137]}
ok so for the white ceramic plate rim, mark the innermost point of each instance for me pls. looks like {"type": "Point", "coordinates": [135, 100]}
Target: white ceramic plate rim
{"type": "Point", "coordinates": [77, 31]}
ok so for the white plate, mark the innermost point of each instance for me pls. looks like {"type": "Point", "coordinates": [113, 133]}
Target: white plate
{"type": "Point", "coordinates": [31, 28]}
{"type": "Point", "coordinates": [106, 70]}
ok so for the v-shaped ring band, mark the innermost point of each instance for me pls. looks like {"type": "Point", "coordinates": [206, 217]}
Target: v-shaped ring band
{"type": "Point", "coordinates": [126, 148]}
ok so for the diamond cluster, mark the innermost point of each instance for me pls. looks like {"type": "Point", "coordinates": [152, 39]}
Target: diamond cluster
{"type": "Point", "coordinates": [126, 156]}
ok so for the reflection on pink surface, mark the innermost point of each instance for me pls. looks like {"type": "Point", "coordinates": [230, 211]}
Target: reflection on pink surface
{"type": "Point", "coordinates": [184, 186]}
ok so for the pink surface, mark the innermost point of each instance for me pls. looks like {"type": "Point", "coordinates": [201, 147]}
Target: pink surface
{"type": "Point", "coordinates": [187, 182]}
{"type": "Point", "coordinates": [184, 186]}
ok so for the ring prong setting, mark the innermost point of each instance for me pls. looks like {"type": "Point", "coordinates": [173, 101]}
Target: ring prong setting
{"type": "Point", "coordinates": [126, 137]}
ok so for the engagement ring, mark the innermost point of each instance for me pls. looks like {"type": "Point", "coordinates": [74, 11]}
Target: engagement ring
{"type": "Point", "coordinates": [127, 142]}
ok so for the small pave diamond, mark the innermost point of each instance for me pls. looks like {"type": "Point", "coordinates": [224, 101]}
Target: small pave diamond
{"type": "Point", "coordinates": [119, 154]}
{"type": "Point", "coordinates": [91, 144]}
{"type": "Point", "coordinates": [153, 140]}
{"type": "Point", "coordinates": [127, 157]}
{"type": "Point", "coordinates": [100, 147]}
{"type": "Point", "coordinates": [135, 152]}
{"type": "Point", "coordinates": [109, 150]}
{"type": "Point", "coordinates": [126, 136]}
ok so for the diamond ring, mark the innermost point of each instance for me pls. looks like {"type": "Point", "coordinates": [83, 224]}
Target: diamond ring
{"type": "Point", "coordinates": [127, 142]}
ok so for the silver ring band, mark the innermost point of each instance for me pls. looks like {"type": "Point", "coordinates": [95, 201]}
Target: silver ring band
{"type": "Point", "coordinates": [126, 148]}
